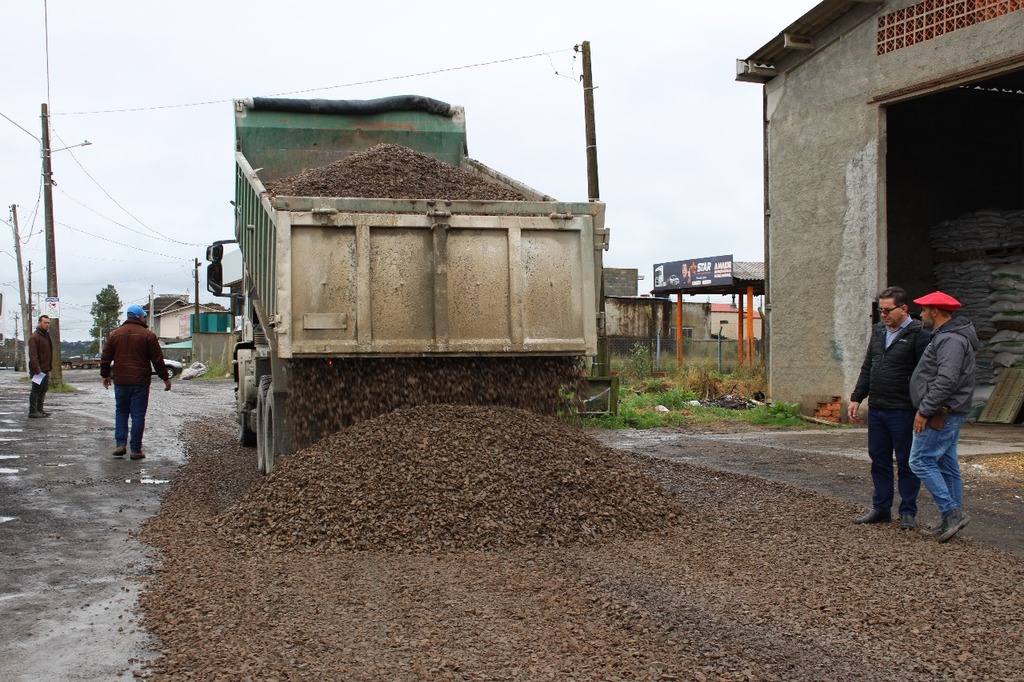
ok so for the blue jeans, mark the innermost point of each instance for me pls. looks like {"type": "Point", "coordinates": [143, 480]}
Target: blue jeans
{"type": "Point", "coordinates": [889, 431]}
{"type": "Point", "coordinates": [933, 458]}
{"type": "Point", "coordinates": [130, 401]}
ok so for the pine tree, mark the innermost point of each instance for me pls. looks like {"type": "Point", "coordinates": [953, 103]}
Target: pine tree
{"type": "Point", "coordinates": [106, 312]}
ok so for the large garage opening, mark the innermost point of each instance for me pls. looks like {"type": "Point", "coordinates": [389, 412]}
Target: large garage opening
{"type": "Point", "coordinates": [955, 207]}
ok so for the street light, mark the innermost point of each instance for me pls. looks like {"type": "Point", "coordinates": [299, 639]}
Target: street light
{"type": "Point", "coordinates": [51, 249]}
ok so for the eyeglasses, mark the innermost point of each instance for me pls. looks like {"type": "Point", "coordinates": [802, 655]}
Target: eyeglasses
{"type": "Point", "coordinates": [886, 311]}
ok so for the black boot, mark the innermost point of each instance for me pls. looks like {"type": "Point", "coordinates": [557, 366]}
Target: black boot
{"type": "Point", "coordinates": [874, 516]}
{"type": "Point", "coordinates": [953, 522]}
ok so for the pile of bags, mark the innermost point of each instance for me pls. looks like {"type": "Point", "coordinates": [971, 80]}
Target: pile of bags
{"type": "Point", "coordinates": [991, 288]}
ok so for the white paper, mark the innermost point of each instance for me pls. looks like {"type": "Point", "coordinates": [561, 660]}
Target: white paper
{"type": "Point", "coordinates": [38, 378]}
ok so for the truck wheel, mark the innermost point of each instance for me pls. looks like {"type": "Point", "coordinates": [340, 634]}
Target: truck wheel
{"type": "Point", "coordinates": [261, 440]}
{"type": "Point", "coordinates": [270, 447]}
{"type": "Point", "coordinates": [246, 436]}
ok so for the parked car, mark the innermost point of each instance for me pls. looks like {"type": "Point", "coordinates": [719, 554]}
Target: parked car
{"type": "Point", "coordinates": [173, 367]}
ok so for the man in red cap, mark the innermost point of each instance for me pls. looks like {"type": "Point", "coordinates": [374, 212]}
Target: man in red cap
{"type": "Point", "coordinates": [942, 388]}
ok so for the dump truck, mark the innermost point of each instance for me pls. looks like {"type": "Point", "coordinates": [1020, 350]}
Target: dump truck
{"type": "Point", "coordinates": [347, 299]}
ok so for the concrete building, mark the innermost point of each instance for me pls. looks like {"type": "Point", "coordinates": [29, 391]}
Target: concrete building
{"type": "Point", "coordinates": [725, 317]}
{"type": "Point", "coordinates": [894, 154]}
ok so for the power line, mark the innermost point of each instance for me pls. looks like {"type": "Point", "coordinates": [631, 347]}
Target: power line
{"type": "Point", "coordinates": [327, 87]}
{"type": "Point", "coordinates": [127, 246]}
{"type": "Point", "coordinates": [159, 235]}
{"type": "Point", "coordinates": [122, 225]}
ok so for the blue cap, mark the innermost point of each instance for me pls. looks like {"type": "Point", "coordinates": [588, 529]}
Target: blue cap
{"type": "Point", "coordinates": [136, 311]}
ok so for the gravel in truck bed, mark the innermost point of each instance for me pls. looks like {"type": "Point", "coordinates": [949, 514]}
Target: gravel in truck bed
{"type": "Point", "coordinates": [394, 172]}
{"type": "Point", "coordinates": [752, 580]}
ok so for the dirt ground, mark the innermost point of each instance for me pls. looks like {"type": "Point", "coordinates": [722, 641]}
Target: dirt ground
{"type": "Point", "coordinates": [764, 577]}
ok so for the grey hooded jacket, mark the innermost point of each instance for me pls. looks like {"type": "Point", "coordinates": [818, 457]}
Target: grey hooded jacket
{"type": "Point", "coordinates": [945, 375]}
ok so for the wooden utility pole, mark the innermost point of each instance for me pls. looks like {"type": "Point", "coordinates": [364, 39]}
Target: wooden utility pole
{"type": "Point", "coordinates": [56, 375]}
{"type": "Point", "coordinates": [26, 312]}
{"type": "Point", "coordinates": [603, 367]}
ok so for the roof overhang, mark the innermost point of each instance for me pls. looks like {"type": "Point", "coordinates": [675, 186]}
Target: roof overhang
{"type": "Point", "coordinates": [799, 36]}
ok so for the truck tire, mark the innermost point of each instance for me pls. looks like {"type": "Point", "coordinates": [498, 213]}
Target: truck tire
{"type": "Point", "coordinates": [269, 432]}
{"type": "Point", "coordinates": [246, 435]}
{"type": "Point", "coordinates": [261, 440]}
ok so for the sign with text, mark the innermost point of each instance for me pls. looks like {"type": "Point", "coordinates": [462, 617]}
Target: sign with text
{"type": "Point", "coordinates": [695, 273]}
{"type": "Point", "coordinates": [52, 307]}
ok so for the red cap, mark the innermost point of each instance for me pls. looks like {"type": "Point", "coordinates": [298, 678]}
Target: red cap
{"type": "Point", "coordinates": [939, 300]}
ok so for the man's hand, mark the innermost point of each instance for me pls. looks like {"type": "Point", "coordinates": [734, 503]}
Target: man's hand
{"type": "Point", "coordinates": [919, 423]}
{"type": "Point", "coordinates": [853, 411]}
{"type": "Point", "coordinates": [107, 382]}
{"type": "Point", "coordinates": [167, 384]}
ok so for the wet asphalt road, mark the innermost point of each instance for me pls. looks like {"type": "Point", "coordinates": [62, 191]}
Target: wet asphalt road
{"type": "Point", "coordinates": [70, 566]}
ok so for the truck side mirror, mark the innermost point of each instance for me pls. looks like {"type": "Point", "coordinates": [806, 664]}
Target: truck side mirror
{"type": "Point", "coordinates": [215, 278]}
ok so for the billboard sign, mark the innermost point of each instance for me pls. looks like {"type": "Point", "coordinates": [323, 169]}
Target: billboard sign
{"type": "Point", "coordinates": [695, 273]}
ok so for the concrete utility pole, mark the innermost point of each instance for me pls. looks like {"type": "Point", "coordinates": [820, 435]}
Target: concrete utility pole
{"type": "Point", "coordinates": [26, 313]}
{"type": "Point", "coordinates": [56, 375]}
{"type": "Point", "coordinates": [195, 322]}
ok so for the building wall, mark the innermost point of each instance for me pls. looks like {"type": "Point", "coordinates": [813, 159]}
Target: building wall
{"type": "Point", "coordinates": [729, 322]}
{"type": "Point", "coordinates": [648, 317]}
{"type": "Point", "coordinates": [826, 235]}
{"type": "Point", "coordinates": [621, 282]}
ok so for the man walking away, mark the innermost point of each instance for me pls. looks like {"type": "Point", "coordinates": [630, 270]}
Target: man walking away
{"type": "Point", "coordinates": [942, 388]}
{"type": "Point", "coordinates": [896, 345]}
{"type": "Point", "coordinates": [130, 356]}
{"type": "Point", "coordinates": [40, 364]}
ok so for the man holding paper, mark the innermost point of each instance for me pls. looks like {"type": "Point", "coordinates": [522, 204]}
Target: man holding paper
{"type": "Point", "coordinates": [40, 364]}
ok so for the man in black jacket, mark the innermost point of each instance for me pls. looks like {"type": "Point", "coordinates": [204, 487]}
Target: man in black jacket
{"type": "Point", "coordinates": [897, 343]}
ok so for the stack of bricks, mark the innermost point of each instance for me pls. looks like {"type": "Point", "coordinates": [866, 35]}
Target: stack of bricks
{"type": "Point", "coordinates": [830, 411]}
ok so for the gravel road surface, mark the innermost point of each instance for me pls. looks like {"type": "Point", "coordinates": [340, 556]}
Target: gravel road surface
{"type": "Point", "coordinates": [761, 576]}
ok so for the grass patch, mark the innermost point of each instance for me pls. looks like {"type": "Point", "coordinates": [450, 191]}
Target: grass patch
{"type": "Point", "coordinates": [216, 371]}
{"type": "Point", "coordinates": [652, 402]}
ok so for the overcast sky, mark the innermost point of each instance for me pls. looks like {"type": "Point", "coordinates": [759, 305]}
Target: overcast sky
{"type": "Point", "coordinates": [151, 86]}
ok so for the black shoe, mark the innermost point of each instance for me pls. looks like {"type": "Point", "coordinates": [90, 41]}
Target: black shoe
{"type": "Point", "coordinates": [874, 516]}
{"type": "Point", "coordinates": [120, 450]}
{"type": "Point", "coordinates": [907, 522]}
{"type": "Point", "coordinates": [44, 414]}
{"type": "Point", "coordinates": [952, 523]}
{"type": "Point", "coordinates": [35, 415]}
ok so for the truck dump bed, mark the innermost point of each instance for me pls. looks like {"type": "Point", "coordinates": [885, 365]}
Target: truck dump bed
{"type": "Point", "coordinates": [342, 276]}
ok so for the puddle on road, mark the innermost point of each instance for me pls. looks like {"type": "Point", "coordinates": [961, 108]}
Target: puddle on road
{"type": "Point", "coordinates": [17, 430]}
{"type": "Point", "coordinates": [147, 481]}
{"type": "Point", "coordinates": [5, 470]}
{"type": "Point", "coordinates": [55, 464]}
{"type": "Point", "coordinates": [5, 519]}
{"type": "Point", "coordinates": [10, 456]}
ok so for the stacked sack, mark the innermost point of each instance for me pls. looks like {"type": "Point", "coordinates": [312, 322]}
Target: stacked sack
{"type": "Point", "coordinates": [991, 288]}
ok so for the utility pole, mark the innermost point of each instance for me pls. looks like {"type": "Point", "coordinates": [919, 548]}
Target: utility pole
{"type": "Point", "coordinates": [16, 321]}
{"type": "Point", "coordinates": [195, 323]}
{"type": "Point", "coordinates": [152, 302]}
{"type": "Point", "coordinates": [26, 313]}
{"type": "Point", "coordinates": [56, 375]}
{"type": "Point", "coordinates": [594, 194]}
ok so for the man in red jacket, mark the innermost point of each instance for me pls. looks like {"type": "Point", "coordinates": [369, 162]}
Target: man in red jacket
{"type": "Point", "coordinates": [131, 355]}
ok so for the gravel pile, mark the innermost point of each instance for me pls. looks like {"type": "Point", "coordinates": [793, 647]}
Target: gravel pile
{"type": "Point", "coordinates": [342, 391]}
{"type": "Point", "coordinates": [448, 477]}
{"type": "Point", "coordinates": [393, 172]}
{"type": "Point", "coordinates": [754, 581]}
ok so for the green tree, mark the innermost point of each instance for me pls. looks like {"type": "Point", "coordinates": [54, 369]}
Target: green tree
{"type": "Point", "coordinates": [106, 312]}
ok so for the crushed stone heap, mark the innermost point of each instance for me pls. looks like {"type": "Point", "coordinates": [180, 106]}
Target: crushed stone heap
{"type": "Point", "coordinates": [390, 171]}
{"type": "Point", "coordinates": [447, 477]}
